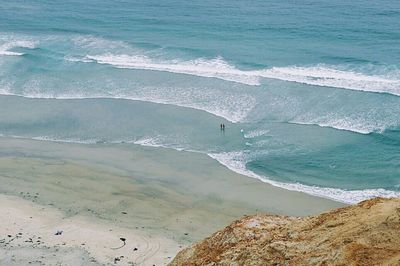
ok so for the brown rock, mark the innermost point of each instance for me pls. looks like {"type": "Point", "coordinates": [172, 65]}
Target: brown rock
{"type": "Point", "coordinates": [363, 234]}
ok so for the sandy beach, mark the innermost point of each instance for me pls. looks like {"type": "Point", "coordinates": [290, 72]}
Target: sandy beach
{"type": "Point", "coordinates": [29, 236]}
{"type": "Point", "coordinates": [98, 194]}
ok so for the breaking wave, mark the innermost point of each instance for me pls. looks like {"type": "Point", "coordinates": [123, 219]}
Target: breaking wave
{"type": "Point", "coordinates": [7, 47]}
{"type": "Point", "coordinates": [235, 162]}
{"type": "Point", "coordinates": [319, 75]}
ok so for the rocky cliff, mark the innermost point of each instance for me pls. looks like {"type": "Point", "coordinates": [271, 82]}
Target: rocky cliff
{"type": "Point", "coordinates": [364, 234]}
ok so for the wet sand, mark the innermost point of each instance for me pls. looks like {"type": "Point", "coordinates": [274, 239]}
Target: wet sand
{"type": "Point", "coordinates": [159, 200]}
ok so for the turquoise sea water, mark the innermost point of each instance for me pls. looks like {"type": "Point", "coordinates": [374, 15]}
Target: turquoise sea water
{"type": "Point", "coordinates": [309, 90]}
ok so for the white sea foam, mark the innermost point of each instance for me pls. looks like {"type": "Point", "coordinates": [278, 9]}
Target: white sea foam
{"type": "Point", "coordinates": [356, 124]}
{"type": "Point", "coordinates": [150, 142]}
{"type": "Point", "coordinates": [44, 138]}
{"type": "Point", "coordinates": [157, 142]}
{"type": "Point", "coordinates": [255, 133]}
{"type": "Point", "coordinates": [5, 48]}
{"type": "Point", "coordinates": [319, 75]}
{"type": "Point", "coordinates": [234, 107]}
{"type": "Point", "coordinates": [210, 68]}
{"type": "Point", "coordinates": [235, 161]}
{"type": "Point", "coordinates": [341, 124]}
{"type": "Point", "coordinates": [378, 80]}
{"type": "Point", "coordinates": [328, 76]}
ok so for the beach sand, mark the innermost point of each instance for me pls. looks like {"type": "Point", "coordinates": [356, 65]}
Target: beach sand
{"type": "Point", "coordinates": [29, 236]}
{"type": "Point", "coordinates": [159, 200]}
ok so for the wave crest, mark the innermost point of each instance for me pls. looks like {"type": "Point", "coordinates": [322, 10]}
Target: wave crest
{"type": "Point", "coordinates": [209, 68]}
{"type": "Point", "coordinates": [345, 124]}
{"type": "Point", "coordinates": [5, 48]}
{"type": "Point", "coordinates": [326, 76]}
{"type": "Point", "coordinates": [235, 162]}
{"type": "Point", "coordinates": [319, 75]}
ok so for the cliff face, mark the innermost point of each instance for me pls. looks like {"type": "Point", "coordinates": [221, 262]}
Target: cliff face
{"type": "Point", "coordinates": [363, 234]}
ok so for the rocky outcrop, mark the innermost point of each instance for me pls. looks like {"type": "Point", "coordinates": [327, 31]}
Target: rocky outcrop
{"type": "Point", "coordinates": [364, 234]}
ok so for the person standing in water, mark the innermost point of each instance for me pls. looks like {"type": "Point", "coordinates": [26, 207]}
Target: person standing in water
{"type": "Point", "coordinates": [222, 126]}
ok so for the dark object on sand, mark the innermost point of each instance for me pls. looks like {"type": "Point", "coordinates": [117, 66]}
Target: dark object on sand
{"type": "Point", "coordinates": [124, 243]}
{"type": "Point", "coordinates": [58, 233]}
{"type": "Point", "coordinates": [135, 249]}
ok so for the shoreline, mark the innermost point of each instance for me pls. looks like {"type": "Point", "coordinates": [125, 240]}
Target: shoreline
{"type": "Point", "coordinates": [343, 196]}
{"type": "Point", "coordinates": [176, 198]}
{"type": "Point", "coordinates": [135, 130]}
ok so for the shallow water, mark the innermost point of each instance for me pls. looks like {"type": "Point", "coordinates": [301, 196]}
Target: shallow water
{"type": "Point", "coordinates": [309, 91]}
{"type": "Point", "coordinates": [179, 195]}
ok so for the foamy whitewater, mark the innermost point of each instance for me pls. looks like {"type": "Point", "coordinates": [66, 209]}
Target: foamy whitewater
{"type": "Point", "coordinates": [309, 92]}
{"type": "Point", "coordinates": [320, 75]}
{"type": "Point", "coordinates": [8, 45]}
{"type": "Point", "coordinates": [235, 162]}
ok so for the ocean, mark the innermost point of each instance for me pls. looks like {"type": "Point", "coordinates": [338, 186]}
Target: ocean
{"type": "Point", "coordinates": [309, 91]}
